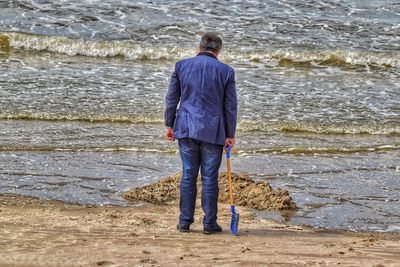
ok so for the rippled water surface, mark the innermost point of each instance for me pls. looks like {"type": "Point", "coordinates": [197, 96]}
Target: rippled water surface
{"type": "Point", "coordinates": [82, 86]}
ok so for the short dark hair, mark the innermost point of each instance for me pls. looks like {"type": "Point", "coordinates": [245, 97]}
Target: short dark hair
{"type": "Point", "coordinates": [210, 41]}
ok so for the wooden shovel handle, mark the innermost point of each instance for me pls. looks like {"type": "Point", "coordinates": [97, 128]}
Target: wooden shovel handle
{"type": "Point", "coordinates": [228, 162]}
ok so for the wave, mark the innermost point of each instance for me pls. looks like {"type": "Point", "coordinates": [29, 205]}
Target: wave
{"type": "Point", "coordinates": [82, 47]}
{"type": "Point", "coordinates": [322, 150]}
{"type": "Point", "coordinates": [244, 126]}
{"type": "Point", "coordinates": [238, 151]}
{"type": "Point", "coordinates": [86, 149]}
{"type": "Point", "coordinates": [318, 128]}
{"type": "Point", "coordinates": [84, 118]}
{"type": "Point", "coordinates": [136, 51]}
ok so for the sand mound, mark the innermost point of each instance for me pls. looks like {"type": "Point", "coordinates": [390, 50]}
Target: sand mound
{"type": "Point", "coordinates": [247, 193]}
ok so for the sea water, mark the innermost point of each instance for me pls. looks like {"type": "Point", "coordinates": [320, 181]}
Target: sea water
{"type": "Point", "coordinates": [82, 87]}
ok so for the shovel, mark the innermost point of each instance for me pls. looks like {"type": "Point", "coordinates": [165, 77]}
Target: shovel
{"type": "Point", "coordinates": [235, 216]}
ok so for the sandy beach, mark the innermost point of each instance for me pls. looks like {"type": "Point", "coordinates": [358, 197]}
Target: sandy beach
{"type": "Point", "coordinates": [37, 232]}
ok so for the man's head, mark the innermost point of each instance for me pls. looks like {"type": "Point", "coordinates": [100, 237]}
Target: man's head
{"type": "Point", "coordinates": [210, 42]}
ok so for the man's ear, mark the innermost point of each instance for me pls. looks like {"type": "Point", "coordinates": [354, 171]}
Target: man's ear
{"type": "Point", "coordinates": [197, 49]}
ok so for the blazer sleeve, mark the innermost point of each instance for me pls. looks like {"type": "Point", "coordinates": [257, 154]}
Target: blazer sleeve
{"type": "Point", "coordinates": [230, 106]}
{"type": "Point", "coordinates": [172, 99]}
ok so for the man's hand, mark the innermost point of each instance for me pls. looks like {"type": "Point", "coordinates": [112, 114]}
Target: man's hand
{"type": "Point", "coordinates": [169, 134]}
{"type": "Point", "coordinates": [229, 141]}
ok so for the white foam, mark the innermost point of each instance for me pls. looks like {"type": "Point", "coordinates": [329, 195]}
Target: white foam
{"type": "Point", "coordinates": [139, 51]}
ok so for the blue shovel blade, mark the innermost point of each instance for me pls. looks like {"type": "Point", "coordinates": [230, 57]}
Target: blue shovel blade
{"type": "Point", "coordinates": [235, 223]}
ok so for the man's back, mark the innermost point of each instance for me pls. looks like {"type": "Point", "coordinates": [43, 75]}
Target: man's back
{"type": "Point", "coordinates": [204, 123]}
{"type": "Point", "coordinates": [206, 88]}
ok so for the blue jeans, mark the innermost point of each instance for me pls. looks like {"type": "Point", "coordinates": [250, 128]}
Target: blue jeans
{"type": "Point", "coordinates": [196, 154]}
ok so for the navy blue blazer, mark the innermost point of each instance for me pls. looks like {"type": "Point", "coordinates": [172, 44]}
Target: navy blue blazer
{"type": "Point", "coordinates": [205, 90]}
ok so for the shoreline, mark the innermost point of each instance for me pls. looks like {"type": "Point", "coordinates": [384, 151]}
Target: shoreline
{"type": "Point", "coordinates": [37, 232]}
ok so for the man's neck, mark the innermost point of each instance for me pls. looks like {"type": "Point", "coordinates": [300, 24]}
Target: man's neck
{"type": "Point", "coordinates": [210, 53]}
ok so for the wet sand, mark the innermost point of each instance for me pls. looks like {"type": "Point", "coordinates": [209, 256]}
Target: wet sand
{"type": "Point", "coordinates": [247, 192]}
{"type": "Point", "coordinates": [37, 232]}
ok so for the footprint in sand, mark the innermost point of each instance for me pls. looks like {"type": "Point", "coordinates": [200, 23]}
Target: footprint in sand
{"type": "Point", "coordinates": [105, 263]}
{"type": "Point", "coordinates": [148, 261]}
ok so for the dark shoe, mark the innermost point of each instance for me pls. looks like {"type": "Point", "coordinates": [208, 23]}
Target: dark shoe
{"type": "Point", "coordinates": [184, 228]}
{"type": "Point", "coordinates": [211, 229]}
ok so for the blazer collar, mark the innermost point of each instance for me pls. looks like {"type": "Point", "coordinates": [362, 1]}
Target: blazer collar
{"type": "Point", "coordinates": [207, 54]}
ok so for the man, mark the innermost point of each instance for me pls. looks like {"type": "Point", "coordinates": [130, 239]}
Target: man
{"type": "Point", "coordinates": [204, 124]}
